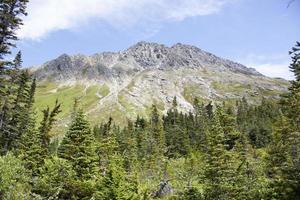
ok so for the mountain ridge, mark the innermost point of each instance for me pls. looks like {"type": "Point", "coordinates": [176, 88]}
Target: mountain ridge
{"type": "Point", "coordinates": [150, 55]}
{"type": "Point", "coordinates": [127, 83]}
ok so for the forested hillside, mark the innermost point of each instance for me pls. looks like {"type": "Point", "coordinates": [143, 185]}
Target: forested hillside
{"type": "Point", "coordinates": [218, 151]}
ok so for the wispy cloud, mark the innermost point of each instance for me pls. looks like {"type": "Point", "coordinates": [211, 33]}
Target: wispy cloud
{"type": "Point", "coordinates": [276, 65]}
{"type": "Point", "coordinates": [47, 16]}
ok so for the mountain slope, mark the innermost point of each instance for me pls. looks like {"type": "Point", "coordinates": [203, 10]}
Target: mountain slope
{"type": "Point", "coordinates": [124, 84]}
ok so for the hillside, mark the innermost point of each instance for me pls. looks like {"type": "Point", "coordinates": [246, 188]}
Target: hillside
{"type": "Point", "coordinates": [127, 83]}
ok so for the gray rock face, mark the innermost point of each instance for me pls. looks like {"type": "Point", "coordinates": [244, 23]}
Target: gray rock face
{"type": "Point", "coordinates": [150, 73]}
{"type": "Point", "coordinates": [141, 56]}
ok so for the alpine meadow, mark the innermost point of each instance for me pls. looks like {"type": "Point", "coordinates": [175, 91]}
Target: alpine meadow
{"type": "Point", "coordinates": [150, 121]}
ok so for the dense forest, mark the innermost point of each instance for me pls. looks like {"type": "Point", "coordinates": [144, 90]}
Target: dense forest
{"type": "Point", "coordinates": [218, 151]}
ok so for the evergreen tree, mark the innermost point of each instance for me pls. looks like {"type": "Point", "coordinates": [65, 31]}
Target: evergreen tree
{"type": "Point", "coordinates": [291, 100]}
{"type": "Point", "coordinates": [140, 135]}
{"type": "Point", "coordinates": [249, 180]}
{"type": "Point", "coordinates": [242, 114]}
{"type": "Point", "coordinates": [278, 162]}
{"type": "Point", "coordinates": [177, 139]}
{"type": "Point", "coordinates": [174, 103]}
{"type": "Point", "coordinates": [129, 148]}
{"type": "Point", "coordinates": [218, 171]}
{"type": "Point", "coordinates": [49, 118]}
{"type": "Point", "coordinates": [228, 123]}
{"type": "Point", "coordinates": [11, 12]}
{"type": "Point", "coordinates": [78, 147]}
{"type": "Point", "coordinates": [201, 125]}
{"type": "Point", "coordinates": [283, 155]}
{"type": "Point", "coordinates": [209, 110]}
{"type": "Point", "coordinates": [292, 111]}
{"type": "Point", "coordinates": [56, 180]}
{"type": "Point", "coordinates": [107, 145]}
{"type": "Point", "coordinates": [15, 115]}
{"type": "Point", "coordinates": [157, 133]}
{"type": "Point", "coordinates": [116, 185]}
{"type": "Point", "coordinates": [31, 148]}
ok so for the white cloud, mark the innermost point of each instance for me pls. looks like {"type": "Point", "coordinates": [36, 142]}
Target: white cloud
{"type": "Point", "coordinates": [276, 65]}
{"type": "Point", "coordinates": [47, 16]}
{"type": "Point", "coordinates": [275, 70]}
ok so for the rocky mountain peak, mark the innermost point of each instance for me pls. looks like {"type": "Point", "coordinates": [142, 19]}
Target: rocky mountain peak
{"type": "Point", "coordinates": [147, 54]}
{"type": "Point", "coordinates": [141, 56]}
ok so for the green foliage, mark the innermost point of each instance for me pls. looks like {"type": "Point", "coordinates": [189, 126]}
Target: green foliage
{"type": "Point", "coordinates": [256, 121]}
{"type": "Point", "coordinates": [177, 138]}
{"type": "Point", "coordinates": [47, 123]}
{"type": "Point", "coordinates": [218, 170]}
{"type": "Point", "coordinates": [14, 179]}
{"type": "Point", "coordinates": [192, 194]}
{"type": "Point", "coordinates": [56, 179]}
{"type": "Point", "coordinates": [78, 147]}
{"type": "Point", "coordinates": [277, 161]}
{"type": "Point", "coordinates": [156, 140]}
{"type": "Point", "coordinates": [30, 149]}
{"type": "Point", "coordinates": [283, 152]}
{"type": "Point", "coordinates": [128, 147]}
{"type": "Point", "coordinates": [13, 83]}
{"type": "Point", "coordinates": [116, 184]}
{"type": "Point", "coordinates": [215, 152]}
{"type": "Point", "coordinates": [291, 100]}
{"type": "Point", "coordinates": [11, 13]}
{"type": "Point", "coordinates": [228, 123]}
{"type": "Point", "coordinates": [15, 111]}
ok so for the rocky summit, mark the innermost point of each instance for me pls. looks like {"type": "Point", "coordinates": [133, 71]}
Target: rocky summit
{"type": "Point", "coordinates": [128, 82]}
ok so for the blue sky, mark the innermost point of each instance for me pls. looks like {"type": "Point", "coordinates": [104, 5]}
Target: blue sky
{"type": "Point", "coordinates": [257, 33]}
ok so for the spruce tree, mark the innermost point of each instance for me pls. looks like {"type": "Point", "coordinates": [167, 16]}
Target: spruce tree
{"type": "Point", "coordinates": [15, 115]}
{"type": "Point", "coordinates": [157, 133]}
{"type": "Point", "coordinates": [78, 147]}
{"type": "Point", "coordinates": [30, 148]}
{"type": "Point", "coordinates": [116, 184]}
{"type": "Point", "coordinates": [177, 139]}
{"type": "Point", "coordinates": [107, 145]}
{"type": "Point", "coordinates": [277, 161]}
{"type": "Point", "coordinates": [291, 100]}
{"type": "Point", "coordinates": [128, 148]}
{"type": "Point", "coordinates": [49, 118]}
{"type": "Point", "coordinates": [284, 156]}
{"type": "Point", "coordinates": [218, 171]}
{"type": "Point", "coordinates": [228, 123]}
{"type": "Point", "coordinates": [201, 124]}
{"type": "Point", "coordinates": [209, 110]}
{"type": "Point", "coordinates": [30, 145]}
{"type": "Point", "coordinates": [11, 13]}
{"type": "Point", "coordinates": [249, 180]}
{"type": "Point", "coordinates": [56, 180]}
{"type": "Point", "coordinates": [242, 114]}
{"type": "Point", "coordinates": [140, 135]}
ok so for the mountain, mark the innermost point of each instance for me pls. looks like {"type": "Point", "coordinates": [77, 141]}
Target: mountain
{"type": "Point", "coordinates": [125, 84]}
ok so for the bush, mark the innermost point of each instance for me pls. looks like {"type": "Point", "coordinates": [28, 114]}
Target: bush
{"type": "Point", "coordinates": [14, 179]}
